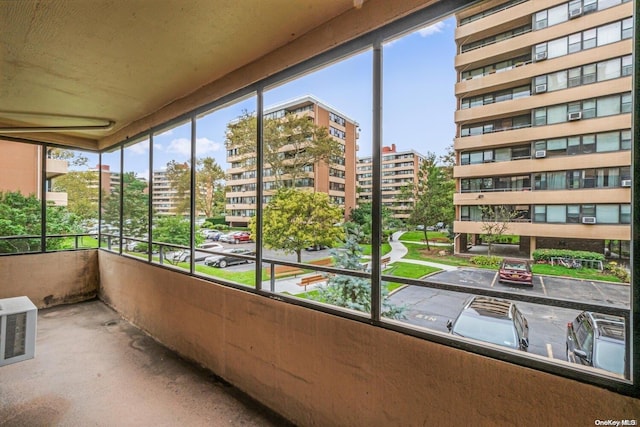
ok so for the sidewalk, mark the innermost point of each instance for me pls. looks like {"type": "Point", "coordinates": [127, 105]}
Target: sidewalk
{"type": "Point", "coordinates": [398, 252]}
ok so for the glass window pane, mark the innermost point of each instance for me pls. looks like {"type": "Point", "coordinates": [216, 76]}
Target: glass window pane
{"type": "Point", "coordinates": [557, 47]}
{"type": "Point", "coordinates": [20, 196]}
{"type": "Point", "coordinates": [558, 14]}
{"type": "Point", "coordinates": [557, 114]}
{"type": "Point", "coordinates": [556, 213]}
{"type": "Point", "coordinates": [607, 214]}
{"type": "Point", "coordinates": [609, 33]}
{"type": "Point", "coordinates": [135, 208]}
{"type": "Point", "coordinates": [557, 81]}
{"type": "Point", "coordinates": [226, 192]}
{"type": "Point", "coordinates": [111, 177]}
{"type": "Point", "coordinates": [609, 141]}
{"type": "Point", "coordinates": [171, 196]}
{"type": "Point", "coordinates": [609, 69]}
{"type": "Point", "coordinates": [608, 106]}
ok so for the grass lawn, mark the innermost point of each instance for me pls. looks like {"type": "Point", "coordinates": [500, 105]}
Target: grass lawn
{"type": "Point", "coordinates": [418, 236]}
{"type": "Point", "coordinates": [384, 249]}
{"type": "Point", "coordinates": [418, 251]}
{"type": "Point", "coordinates": [405, 269]}
{"type": "Point", "coordinates": [83, 242]}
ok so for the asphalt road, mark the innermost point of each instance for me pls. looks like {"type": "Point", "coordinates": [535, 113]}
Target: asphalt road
{"type": "Point", "coordinates": [432, 308]}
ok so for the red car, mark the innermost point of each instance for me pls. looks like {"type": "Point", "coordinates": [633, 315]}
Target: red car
{"type": "Point", "coordinates": [240, 236]}
{"type": "Point", "coordinates": [516, 271]}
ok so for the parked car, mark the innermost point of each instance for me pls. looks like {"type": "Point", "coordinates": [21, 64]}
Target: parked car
{"type": "Point", "coordinates": [236, 237]}
{"type": "Point", "coordinates": [214, 246]}
{"type": "Point", "coordinates": [516, 271]}
{"type": "Point", "coordinates": [595, 339]}
{"type": "Point", "coordinates": [492, 320]}
{"type": "Point", "coordinates": [228, 258]}
{"type": "Point", "coordinates": [313, 248]}
{"type": "Point", "coordinates": [213, 235]}
{"type": "Point", "coordinates": [185, 255]}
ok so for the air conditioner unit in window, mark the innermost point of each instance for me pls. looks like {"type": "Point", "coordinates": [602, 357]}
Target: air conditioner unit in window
{"type": "Point", "coordinates": [541, 56]}
{"type": "Point", "coordinates": [575, 13]}
{"type": "Point", "coordinates": [17, 330]}
{"type": "Point", "coordinates": [542, 88]}
{"type": "Point", "coordinates": [588, 219]}
{"type": "Point", "coordinates": [576, 115]}
{"type": "Point", "coordinates": [541, 154]}
{"type": "Point", "coordinates": [625, 183]}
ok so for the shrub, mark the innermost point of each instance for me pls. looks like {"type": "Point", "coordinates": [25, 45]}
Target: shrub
{"type": "Point", "coordinates": [545, 255]}
{"type": "Point", "coordinates": [618, 271]}
{"type": "Point", "coordinates": [486, 261]}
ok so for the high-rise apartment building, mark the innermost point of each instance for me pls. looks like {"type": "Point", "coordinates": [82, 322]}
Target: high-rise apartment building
{"type": "Point", "coordinates": [337, 177]}
{"type": "Point", "coordinates": [20, 166]}
{"type": "Point", "coordinates": [544, 122]}
{"type": "Point", "coordinates": [399, 170]}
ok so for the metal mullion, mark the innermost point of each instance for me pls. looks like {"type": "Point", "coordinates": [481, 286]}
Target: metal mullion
{"type": "Point", "coordinates": [259, 189]}
{"type": "Point", "coordinates": [376, 193]}
{"type": "Point", "coordinates": [43, 198]}
{"type": "Point", "coordinates": [150, 207]}
{"type": "Point", "coordinates": [121, 199]}
{"type": "Point", "coordinates": [632, 328]}
{"type": "Point", "coordinates": [192, 201]}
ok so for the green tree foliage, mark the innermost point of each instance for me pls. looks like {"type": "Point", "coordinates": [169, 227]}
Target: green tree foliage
{"type": "Point", "coordinates": [354, 292]}
{"type": "Point", "coordinates": [291, 145]}
{"type": "Point", "coordinates": [82, 194]}
{"type": "Point", "coordinates": [495, 223]}
{"type": "Point", "coordinates": [174, 230]}
{"type": "Point", "coordinates": [362, 215]}
{"type": "Point", "coordinates": [432, 195]}
{"type": "Point", "coordinates": [135, 206]}
{"type": "Point", "coordinates": [21, 216]}
{"type": "Point", "coordinates": [295, 219]}
{"type": "Point", "coordinates": [209, 183]}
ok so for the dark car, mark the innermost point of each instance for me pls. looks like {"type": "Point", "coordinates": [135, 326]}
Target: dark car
{"type": "Point", "coordinates": [228, 259]}
{"type": "Point", "coordinates": [595, 339]}
{"type": "Point", "coordinates": [516, 271]}
{"type": "Point", "coordinates": [492, 320]}
{"type": "Point", "coordinates": [214, 235]}
{"type": "Point", "coordinates": [313, 248]}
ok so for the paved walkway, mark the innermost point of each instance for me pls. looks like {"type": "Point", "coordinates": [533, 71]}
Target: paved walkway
{"type": "Point", "coordinates": [398, 252]}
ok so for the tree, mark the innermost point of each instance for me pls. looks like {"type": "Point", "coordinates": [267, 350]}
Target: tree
{"type": "Point", "coordinates": [495, 222]}
{"type": "Point", "coordinates": [432, 196]}
{"type": "Point", "coordinates": [291, 145]}
{"type": "Point", "coordinates": [354, 292]}
{"type": "Point", "coordinates": [21, 216]}
{"type": "Point", "coordinates": [135, 207]}
{"type": "Point", "coordinates": [296, 219]}
{"type": "Point", "coordinates": [209, 185]}
{"type": "Point", "coordinates": [82, 194]}
{"type": "Point", "coordinates": [362, 215]}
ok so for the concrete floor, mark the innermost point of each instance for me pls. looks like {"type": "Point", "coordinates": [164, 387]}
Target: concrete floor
{"type": "Point", "coordinates": [92, 368]}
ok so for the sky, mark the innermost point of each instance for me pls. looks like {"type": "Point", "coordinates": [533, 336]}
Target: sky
{"type": "Point", "coordinates": [418, 102]}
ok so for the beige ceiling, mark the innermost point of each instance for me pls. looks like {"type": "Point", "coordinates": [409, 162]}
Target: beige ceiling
{"type": "Point", "coordinates": [92, 62]}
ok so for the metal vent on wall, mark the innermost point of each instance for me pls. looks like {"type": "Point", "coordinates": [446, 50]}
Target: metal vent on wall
{"type": "Point", "coordinates": [17, 330]}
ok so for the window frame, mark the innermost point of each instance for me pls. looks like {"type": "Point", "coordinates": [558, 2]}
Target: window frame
{"type": "Point", "coordinates": [373, 40]}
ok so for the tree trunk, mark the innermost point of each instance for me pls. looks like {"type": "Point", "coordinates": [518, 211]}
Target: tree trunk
{"type": "Point", "coordinates": [426, 238]}
{"type": "Point", "coordinates": [299, 254]}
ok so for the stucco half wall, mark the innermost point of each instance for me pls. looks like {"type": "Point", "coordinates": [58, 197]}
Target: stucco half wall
{"type": "Point", "coordinates": [319, 369]}
{"type": "Point", "coordinates": [52, 278]}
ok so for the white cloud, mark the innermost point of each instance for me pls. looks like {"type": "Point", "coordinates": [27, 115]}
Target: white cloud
{"type": "Point", "coordinates": [183, 146]}
{"type": "Point", "coordinates": [432, 29]}
{"type": "Point", "coordinates": [180, 146]}
{"type": "Point", "coordinates": [205, 145]}
{"type": "Point", "coordinates": [140, 148]}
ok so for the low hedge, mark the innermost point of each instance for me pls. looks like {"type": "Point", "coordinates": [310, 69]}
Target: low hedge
{"type": "Point", "coordinates": [547, 254]}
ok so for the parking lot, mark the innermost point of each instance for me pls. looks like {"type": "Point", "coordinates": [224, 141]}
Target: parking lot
{"type": "Point", "coordinates": [432, 308]}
